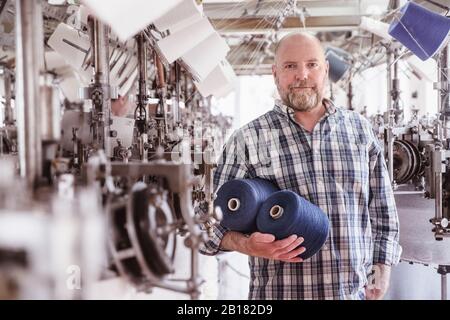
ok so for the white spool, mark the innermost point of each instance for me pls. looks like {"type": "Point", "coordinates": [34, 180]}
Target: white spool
{"type": "Point", "coordinates": [276, 212]}
{"type": "Point", "coordinates": [234, 204]}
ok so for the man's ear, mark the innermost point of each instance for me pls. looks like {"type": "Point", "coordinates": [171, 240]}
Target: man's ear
{"type": "Point", "coordinates": [327, 66]}
{"type": "Point", "coordinates": [274, 71]}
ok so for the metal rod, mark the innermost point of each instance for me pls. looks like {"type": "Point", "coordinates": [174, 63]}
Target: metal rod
{"type": "Point", "coordinates": [438, 189]}
{"type": "Point", "coordinates": [443, 96]}
{"type": "Point", "coordinates": [409, 192]}
{"type": "Point", "coordinates": [443, 270]}
{"type": "Point", "coordinates": [395, 90]}
{"type": "Point", "coordinates": [142, 59]}
{"type": "Point", "coordinates": [176, 108]}
{"type": "Point", "coordinates": [438, 5]}
{"type": "Point", "coordinates": [9, 115]}
{"type": "Point", "coordinates": [50, 112]}
{"type": "Point", "coordinates": [100, 51]}
{"type": "Point", "coordinates": [140, 113]}
{"type": "Point", "coordinates": [29, 64]}
{"type": "Point", "coordinates": [389, 77]}
{"type": "Point", "coordinates": [195, 294]}
{"type": "Point", "coordinates": [389, 133]}
{"type": "Point", "coordinates": [100, 90]}
{"type": "Point", "coordinates": [160, 74]}
{"type": "Point", "coordinates": [161, 111]}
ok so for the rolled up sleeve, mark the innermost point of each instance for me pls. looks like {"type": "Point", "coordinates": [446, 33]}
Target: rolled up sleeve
{"type": "Point", "coordinates": [232, 164]}
{"type": "Point", "coordinates": [383, 211]}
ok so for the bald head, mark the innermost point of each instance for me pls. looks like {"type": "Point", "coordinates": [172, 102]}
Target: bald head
{"type": "Point", "coordinates": [306, 40]}
{"type": "Point", "coordinates": [300, 71]}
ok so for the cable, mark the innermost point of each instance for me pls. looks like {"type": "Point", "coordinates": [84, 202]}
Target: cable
{"type": "Point", "coordinates": [229, 265]}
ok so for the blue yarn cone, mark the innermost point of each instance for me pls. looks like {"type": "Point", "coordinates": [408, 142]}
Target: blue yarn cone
{"type": "Point", "coordinates": [338, 64]}
{"type": "Point", "coordinates": [240, 201]}
{"type": "Point", "coordinates": [285, 213]}
{"type": "Point", "coordinates": [422, 31]}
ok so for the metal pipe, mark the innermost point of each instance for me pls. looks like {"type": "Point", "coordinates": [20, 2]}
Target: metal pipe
{"type": "Point", "coordinates": [50, 111]}
{"type": "Point", "coordinates": [142, 59]}
{"type": "Point", "coordinates": [437, 168]}
{"type": "Point", "coordinates": [444, 96]}
{"type": "Point", "coordinates": [29, 64]}
{"type": "Point", "coordinates": [438, 190]}
{"type": "Point", "coordinates": [50, 124]}
{"type": "Point", "coordinates": [141, 113]}
{"type": "Point", "coordinates": [185, 89]}
{"type": "Point", "coordinates": [443, 270]}
{"type": "Point", "coordinates": [100, 91]}
{"type": "Point", "coordinates": [395, 92]}
{"type": "Point", "coordinates": [390, 120]}
{"type": "Point", "coordinates": [9, 114]}
{"type": "Point", "coordinates": [176, 107]}
{"type": "Point", "coordinates": [160, 74]}
{"type": "Point", "coordinates": [161, 111]}
{"type": "Point", "coordinates": [389, 77]}
{"type": "Point", "coordinates": [390, 148]}
{"type": "Point", "coordinates": [194, 288]}
{"type": "Point", "coordinates": [100, 51]}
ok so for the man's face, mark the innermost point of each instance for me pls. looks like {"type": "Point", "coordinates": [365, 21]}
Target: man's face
{"type": "Point", "coordinates": [300, 73]}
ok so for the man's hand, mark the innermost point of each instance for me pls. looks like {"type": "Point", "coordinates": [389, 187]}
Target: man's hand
{"type": "Point", "coordinates": [378, 282]}
{"type": "Point", "coordinates": [264, 245]}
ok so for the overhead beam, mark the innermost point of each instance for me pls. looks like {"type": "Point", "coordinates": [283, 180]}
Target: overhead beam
{"type": "Point", "coordinates": [262, 25]}
{"type": "Point", "coordinates": [262, 69]}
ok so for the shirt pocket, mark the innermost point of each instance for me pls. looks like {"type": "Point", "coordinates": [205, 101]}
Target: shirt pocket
{"type": "Point", "coordinates": [348, 167]}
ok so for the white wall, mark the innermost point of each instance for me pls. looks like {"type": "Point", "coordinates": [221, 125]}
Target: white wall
{"type": "Point", "coordinates": [370, 89]}
{"type": "Point", "coordinates": [253, 97]}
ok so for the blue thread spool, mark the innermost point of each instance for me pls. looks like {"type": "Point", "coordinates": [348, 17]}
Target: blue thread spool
{"type": "Point", "coordinates": [240, 201]}
{"type": "Point", "coordinates": [420, 30]}
{"type": "Point", "coordinates": [337, 60]}
{"type": "Point", "coordinates": [285, 213]}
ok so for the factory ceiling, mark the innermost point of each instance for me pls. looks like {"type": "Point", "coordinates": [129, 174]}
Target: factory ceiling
{"type": "Point", "coordinates": [252, 27]}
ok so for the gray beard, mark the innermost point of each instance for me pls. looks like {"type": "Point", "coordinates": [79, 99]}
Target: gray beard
{"type": "Point", "coordinates": [302, 101]}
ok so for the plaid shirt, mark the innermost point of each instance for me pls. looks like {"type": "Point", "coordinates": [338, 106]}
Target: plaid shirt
{"type": "Point", "coordinates": [339, 167]}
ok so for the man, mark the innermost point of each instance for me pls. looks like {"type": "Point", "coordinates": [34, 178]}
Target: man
{"type": "Point", "coordinates": [329, 156]}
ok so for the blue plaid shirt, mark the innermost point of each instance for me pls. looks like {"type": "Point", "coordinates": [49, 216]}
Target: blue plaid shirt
{"type": "Point", "coordinates": [340, 167]}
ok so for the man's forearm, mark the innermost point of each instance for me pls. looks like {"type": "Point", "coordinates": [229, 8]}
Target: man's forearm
{"type": "Point", "coordinates": [385, 271]}
{"type": "Point", "coordinates": [234, 241]}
